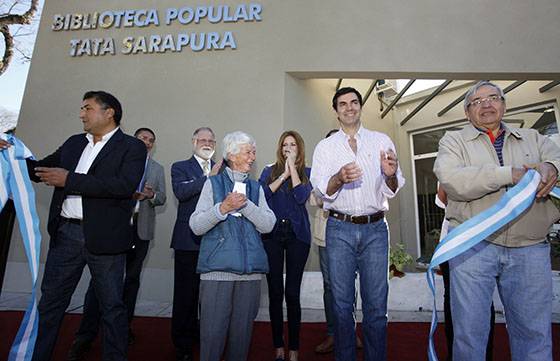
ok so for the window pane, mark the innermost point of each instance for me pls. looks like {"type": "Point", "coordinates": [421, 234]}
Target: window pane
{"type": "Point", "coordinates": [542, 119]}
{"type": "Point", "coordinates": [428, 142]}
{"type": "Point", "coordinates": [430, 216]}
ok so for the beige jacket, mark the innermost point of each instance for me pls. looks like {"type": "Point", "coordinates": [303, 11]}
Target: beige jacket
{"type": "Point", "coordinates": [320, 217]}
{"type": "Point", "coordinates": [467, 167]}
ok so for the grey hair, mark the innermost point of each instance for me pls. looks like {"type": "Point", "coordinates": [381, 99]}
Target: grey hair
{"type": "Point", "coordinates": [208, 129]}
{"type": "Point", "coordinates": [233, 141]}
{"type": "Point", "coordinates": [477, 86]}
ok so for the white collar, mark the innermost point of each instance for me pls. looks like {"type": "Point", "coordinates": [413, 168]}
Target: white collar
{"type": "Point", "coordinates": [357, 135]}
{"type": "Point", "coordinates": [201, 160]}
{"type": "Point", "coordinates": [104, 138]}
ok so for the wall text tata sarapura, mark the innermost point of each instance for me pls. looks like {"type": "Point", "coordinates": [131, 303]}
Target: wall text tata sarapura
{"type": "Point", "coordinates": [157, 43]}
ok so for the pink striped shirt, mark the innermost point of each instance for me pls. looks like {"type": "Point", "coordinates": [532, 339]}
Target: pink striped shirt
{"type": "Point", "coordinates": [370, 193]}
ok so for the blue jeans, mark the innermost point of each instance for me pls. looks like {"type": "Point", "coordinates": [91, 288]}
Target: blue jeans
{"type": "Point", "coordinates": [524, 281]}
{"type": "Point", "coordinates": [66, 259]}
{"type": "Point", "coordinates": [89, 326]}
{"type": "Point", "coordinates": [444, 267]}
{"type": "Point", "coordinates": [327, 292]}
{"type": "Point", "coordinates": [361, 248]}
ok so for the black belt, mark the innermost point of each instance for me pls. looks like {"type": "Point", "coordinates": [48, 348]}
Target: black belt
{"type": "Point", "coordinates": [370, 218]}
{"type": "Point", "coordinates": [77, 221]}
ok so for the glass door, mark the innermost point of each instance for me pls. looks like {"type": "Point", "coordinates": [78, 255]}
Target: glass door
{"type": "Point", "coordinates": [429, 216]}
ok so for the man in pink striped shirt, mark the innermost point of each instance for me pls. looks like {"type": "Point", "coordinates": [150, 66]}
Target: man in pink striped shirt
{"type": "Point", "coordinates": [356, 172]}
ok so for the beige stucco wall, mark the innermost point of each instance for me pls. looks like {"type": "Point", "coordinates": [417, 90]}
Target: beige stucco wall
{"type": "Point", "coordinates": [265, 86]}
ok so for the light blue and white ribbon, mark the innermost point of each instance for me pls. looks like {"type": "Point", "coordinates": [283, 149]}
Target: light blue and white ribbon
{"type": "Point", "coordinates": [15, 184]}
{"type": "Point", "coordinates": [514, 202]}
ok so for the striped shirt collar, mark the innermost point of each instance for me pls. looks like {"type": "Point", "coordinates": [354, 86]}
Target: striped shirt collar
{"type": "Point", "coordinates": [471, 132]}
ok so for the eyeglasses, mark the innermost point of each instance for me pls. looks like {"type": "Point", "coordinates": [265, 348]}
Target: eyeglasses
{"type": "Point", "coordinates": [492, 99]}
{"type": "Point", "coordinates": [206, 141]}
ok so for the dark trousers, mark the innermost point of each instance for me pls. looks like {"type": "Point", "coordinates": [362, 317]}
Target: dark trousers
{"type": "Point", "coordinates": [184, 321]}
{"type": "Point", "coordinates": [449, 321]}
{"type": "Point", "coordinates": [66, 259]}
{"type": "Point", "coordinates": [89, 326]}
{"type": "Point", "coordinates": [285, 244]}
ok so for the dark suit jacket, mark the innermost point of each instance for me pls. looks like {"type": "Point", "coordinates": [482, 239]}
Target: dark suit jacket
{"type": "Point", "coordinates": [106, 189]}
{"type": "Point", "coordinates": [187, 179]}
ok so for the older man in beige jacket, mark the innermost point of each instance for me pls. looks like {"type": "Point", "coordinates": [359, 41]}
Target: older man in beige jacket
{"type": "Point", "coordinates": [476, 165]}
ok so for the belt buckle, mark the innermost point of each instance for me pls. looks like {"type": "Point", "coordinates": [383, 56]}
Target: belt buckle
{"type": "Point", "coordinates": [357, 219]}
{"type": "Point", "coordinates": [339, 216]}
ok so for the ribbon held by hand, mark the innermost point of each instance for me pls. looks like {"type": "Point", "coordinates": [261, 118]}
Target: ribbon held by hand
{"type": "Point", "coordinates": [468, 234]}
{"type": "Point", "coordinates": [15, 184]}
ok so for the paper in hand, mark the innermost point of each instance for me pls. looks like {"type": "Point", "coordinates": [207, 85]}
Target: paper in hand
{"type": "Point", "coordinates": [240, 187]}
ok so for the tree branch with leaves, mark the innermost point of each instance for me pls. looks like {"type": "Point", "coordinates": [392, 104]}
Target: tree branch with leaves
{"type": "Point", "coordinates": [9, 16]}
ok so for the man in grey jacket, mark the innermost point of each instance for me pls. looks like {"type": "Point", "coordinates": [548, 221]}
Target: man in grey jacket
{"type": "Point", "coordinates": [150, 194]}
{"type": "Point", "coordinates": [476, 165]}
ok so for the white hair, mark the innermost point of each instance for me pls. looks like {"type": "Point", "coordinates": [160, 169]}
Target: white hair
{"type": "Point", "coordinates": [233, 141]}
{"type": "Point", "coordinates": [198, 130]}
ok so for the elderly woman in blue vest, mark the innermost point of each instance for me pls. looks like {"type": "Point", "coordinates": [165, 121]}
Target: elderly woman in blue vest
{"type": "Point", "coordinates": [230, 215]}
{"type": "Point", "coordinates": [287, 189]}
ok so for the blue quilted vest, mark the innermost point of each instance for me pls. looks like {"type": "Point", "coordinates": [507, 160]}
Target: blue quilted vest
{"type": "Point", "coordinates": [233, 245]}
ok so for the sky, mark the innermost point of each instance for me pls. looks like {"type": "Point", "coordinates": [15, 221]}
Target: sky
{"type": "Point", "coordinates": [12, 85]}
{"type": "Point", "coordinates": [418, 85]}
